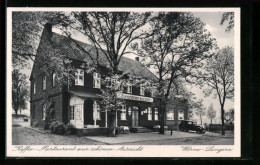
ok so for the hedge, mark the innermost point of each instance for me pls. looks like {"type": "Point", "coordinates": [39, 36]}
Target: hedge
{"type": "Point", "coordinates": [218, 127]}
{"type": "Point", "coordinates": [60, 128]}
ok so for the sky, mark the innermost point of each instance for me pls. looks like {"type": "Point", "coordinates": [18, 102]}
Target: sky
{"type": "Point", "coordinates": [212, 24]}
{"type": "Point", "coordinates": [212, 21]}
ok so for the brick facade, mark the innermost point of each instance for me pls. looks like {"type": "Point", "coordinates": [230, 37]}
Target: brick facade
{"type": "Point", "coordinates": [61, 94]}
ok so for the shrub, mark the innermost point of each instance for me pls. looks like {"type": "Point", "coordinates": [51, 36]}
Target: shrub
{"type": "Point", "coordinates": [60, 128]}
{"type": "Point", "coordinates": [57, 127]}
{"type": "Point", "coordinates": [218, 127]}
{"type": "Point", "coordinates": [35, 124]}
{"type": "Point", "coordinates": [69, 129]}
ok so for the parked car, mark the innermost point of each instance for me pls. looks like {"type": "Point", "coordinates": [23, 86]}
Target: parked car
{"type": "Point", "coordinates": [187, 125]}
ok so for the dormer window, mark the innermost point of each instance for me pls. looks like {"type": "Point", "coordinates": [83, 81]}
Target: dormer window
{"type": "Point", "coordinates": [44, 83]}
{"type": "Point", "coordinates": [142, 90]}
{"type": "Point", "coordinates": [129, 88]}
{"type": "Point", "coordinates": [96, 80]}
{"type": "Point", "coordinates": [79, 77]}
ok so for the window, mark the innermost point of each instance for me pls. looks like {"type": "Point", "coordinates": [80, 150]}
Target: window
{"type": "Point", "coordinates": [96, 111]}
{"type": "Point", "coordinates": [181, 115]}
{"type": "Point", "coordinates": [44, 83]}
{"type": "Point", "coordinates": [72, 112]}
{"type": "Point", "coordinates": [43, 111]}
{"type": "Point", "coordinates": [79, 77]}
{"type": "Point", "coordinates": [34, 88]}
{"type": "Point", "coordinates": [141, 90]}
{"type": "Point", "coordinates": [170, 115]}
{"type": "Point", "coordinates": [123, 112]}
{"type": "Point", "coordinates": [52, 111]}
{"type": "Point", "coordinates": [155, 113]}
{"type": "Point", "coordinates": [129, 88]}
{"type": "Point", "coordinates": [53, 79]}
{"type": "Point", "coordinates": [96, 80]}
{"type": "Point", "coordinates": [149, 113]}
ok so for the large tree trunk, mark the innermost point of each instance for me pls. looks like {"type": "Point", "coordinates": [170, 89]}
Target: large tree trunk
{"type": "Point", "coordinates": [162, 122]}
{"type": "Point", "coordinates": [222, 119]}
{"type": "Point", "coordinates": [112, 125]}
{"type": "Point", "coordinates": [17, 105]}
{"type": "Point", "coordinates": [200, 120]}
{"type": "Point", "coordinates": [16, 110]}
{"type": "Point", "coordinates": [211, 121]}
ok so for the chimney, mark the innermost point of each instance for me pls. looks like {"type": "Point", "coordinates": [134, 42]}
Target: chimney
{"type": "Point", "coordinates": [48, 29]}
{"type": "Point", "coordinates": [136, 58]}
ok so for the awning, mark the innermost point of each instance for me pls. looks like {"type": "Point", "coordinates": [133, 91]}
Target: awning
{"type": "Point", "coordinates": [85, 94]}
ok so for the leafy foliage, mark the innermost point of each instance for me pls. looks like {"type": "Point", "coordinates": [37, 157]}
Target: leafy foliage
{"type": "Point", "coordinates": [177, 46]}
{"type": "Point", "coordinates": [26, 31]}
{"type": "Point", "coordinates": [211, 112]}
{"type": "Point", "coordinates": [219, 75]}
{"type": "Point", "coordinates": [219, 78]}
{"type": "Point", "coordinates": [60, 128]}
{"type": "Point", "coordinates": [109, 33]}
{"type": "Point", "coordinates": [20, 93]}
{"type": "Point", "coordinates": [57, 127]}
{"type": "Point", "coordinates": [199, 109]}
{"type": "Point", "coordinates": [228, 17]}
{"type": "Point", "coordinates": [229, 116]}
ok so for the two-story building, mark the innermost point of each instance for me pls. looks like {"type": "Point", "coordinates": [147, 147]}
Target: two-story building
{"type": "Point", "coordinates": [77, 103]}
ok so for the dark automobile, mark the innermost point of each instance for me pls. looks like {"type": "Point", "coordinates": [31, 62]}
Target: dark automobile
{"type": "Point", "coordinates": [187, 125]}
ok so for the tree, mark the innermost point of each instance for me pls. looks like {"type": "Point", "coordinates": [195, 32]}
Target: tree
{"type": "Point", "coordinates": [27, 28]}
{"type": "Point", "coordinates": [110, 33]}
{"type": "Point", "coordinates": [219, 78]}
{"type": "Point", "coordinates": [177, 46]}
{"type": "Point", "coordinates": [19, 90]}
{"type": "Point", "coordinates": [26, 31]}
{"type": "Point", "coordinates": [180, 90]}
{"type": "Point", "coordinates": [211, 113]}
{"type": "Point", "coordinates": [228, 17]}
{"type": "Point", "coordinates": [48, 103]}
{"type": "Point", "coordinates": [199, 109]}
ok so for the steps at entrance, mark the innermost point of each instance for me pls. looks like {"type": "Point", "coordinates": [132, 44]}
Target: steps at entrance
{"type": "Point", "coordinates": [140, 130]}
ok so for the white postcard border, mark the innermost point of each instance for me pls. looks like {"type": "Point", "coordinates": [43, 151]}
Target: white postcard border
{"type": "Point", "coordinates": [147, 150]}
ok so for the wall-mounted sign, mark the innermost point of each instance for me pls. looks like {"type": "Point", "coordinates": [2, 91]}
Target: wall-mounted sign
{"type": "Point", "coordinates": [134, 97]}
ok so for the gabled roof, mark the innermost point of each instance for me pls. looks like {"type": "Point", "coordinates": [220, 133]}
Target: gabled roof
{"type": "Point", "coordinates": [70, 49]}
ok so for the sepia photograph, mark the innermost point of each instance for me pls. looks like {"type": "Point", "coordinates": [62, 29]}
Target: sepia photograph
{"type": "Point", "coordinates": [123, 82]}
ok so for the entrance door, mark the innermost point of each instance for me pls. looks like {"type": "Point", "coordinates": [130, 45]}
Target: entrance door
{"type": "Point", "coordinates": [79, 116]}
{"type": "Point", "coordinates": [135, 122]}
